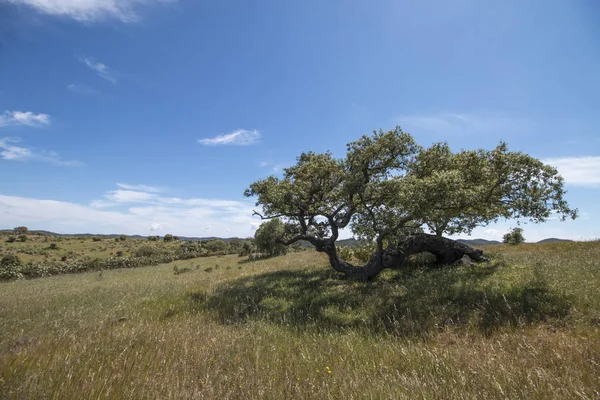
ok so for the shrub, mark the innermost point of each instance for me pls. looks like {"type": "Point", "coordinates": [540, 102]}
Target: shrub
{"type": "Point", "coordinates": [22, 238]}
{"type": "Point", "coordinates": [266, 237]}
{"type": "Point", "coordinates": [53, 246]}
{"type": "Point", "coordinates": [514, 237]}
{"type": "Point", "coordinates": [246, 250]}
{"type": "Point", "coordinates": [153, 238]}
{"type": "Point", "coordinates": [363, 253]}
{"type": "Point", "coordinates": [11, 239]}
{"type": "Point", "coordinates": [96, 239]}
{"type": "Point", "coordinates": [10, 260]}
{"type": "Point", "coordinates": [21, 230]}
{"type": "Point", "coordinates": [345, 253]}
{"type": "Point", "coordinates": [122, 238]}
{"type": "Point", "coordinates": [147, 251]}
{"type": "Point", "coordinates": [168, 237]}
{"type": "Point", "coordinates": [119, 253]}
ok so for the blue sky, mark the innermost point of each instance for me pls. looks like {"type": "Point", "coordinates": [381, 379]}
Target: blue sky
{"type": "Point", "coordinates": [153, 116]}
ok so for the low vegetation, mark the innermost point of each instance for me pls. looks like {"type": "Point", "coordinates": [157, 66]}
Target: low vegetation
{"type": "Point", "coordinates": [44, 255]}
{"type": "Point", "coordinates": [524, 325]}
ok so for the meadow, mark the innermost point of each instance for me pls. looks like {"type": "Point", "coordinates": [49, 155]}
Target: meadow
{"type": "Point", "coordinates": [525, 325]}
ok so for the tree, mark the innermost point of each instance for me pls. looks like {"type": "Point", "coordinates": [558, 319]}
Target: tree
{"type": "Point", "coordinates": [515, 236]}
{"type": "Point", "coordinates": [387, 187]}
{"type": "Point", "coordinates": [21, 230]}
{"type": "Point", "coordinates": [265, 238]}
{"type": "Point", "coordinates": [168, 237]}
{"type": "Point", "coordinates": [122, 238]}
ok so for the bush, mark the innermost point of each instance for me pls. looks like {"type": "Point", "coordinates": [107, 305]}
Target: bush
{"type": "Point", "coordinates": [21, 230]}
{"type": "Point", "coordinates": [10, 260]}
{"type": "Point", "coordinates": [53, 246]}
{"type": "Point", "coordinates": [11, 239]}
{"type": "Point", "coordinates": [22, 238]}
{"type": "Point", "coordinates": [168, 237]}
{"type": "Point", "coordinates": [122, 238]}
{"type": "Point", "coordinates": [247, 249]}
{"type": "Point", "coordinates": [514, 237]}
{"type": "Point", "coordinates": [96, 239]}
{"type": "Point", "coordinates": [363, 253]}
{"type": "Point", "coordinates": [153, 238]}
{"type": "Point", "coordinates": [345, 253]}
{"type": "Point", "coordinates": [147, 251]}
{"type": "Point", "coordinates": [266, 237]}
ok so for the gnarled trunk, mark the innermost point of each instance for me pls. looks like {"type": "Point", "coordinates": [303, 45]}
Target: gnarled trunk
{"type": "Point", "coordinates": [447, 251]}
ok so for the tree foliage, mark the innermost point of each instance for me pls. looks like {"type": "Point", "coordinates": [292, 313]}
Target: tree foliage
{"type": "Point", "coordinates": [515, 236]}
{"type": "Point", "coordinates": [21, 230]}
{"type": "Point", "coordinates": [266, 238]}
{"type": "Point", "coordinates": [387, 187]}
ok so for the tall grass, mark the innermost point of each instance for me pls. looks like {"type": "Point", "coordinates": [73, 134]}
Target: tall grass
{"type": "Point", "coordinates": [525, 325]}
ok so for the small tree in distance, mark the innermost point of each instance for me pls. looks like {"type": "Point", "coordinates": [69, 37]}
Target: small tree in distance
{"type": "Point", "coordinates": [266, 237]}
{"type": "Point", "coordinates": [21, 230]}
{"type": "Point", "coordinates": [168, 237]}
{"type": "Point", "coordinates": [515, 237]}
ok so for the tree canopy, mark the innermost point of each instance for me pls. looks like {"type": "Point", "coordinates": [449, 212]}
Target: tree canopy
{"type": "Point", "coordinates": [387, 187]}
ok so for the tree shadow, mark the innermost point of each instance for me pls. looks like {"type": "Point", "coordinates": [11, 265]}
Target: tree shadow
{"type": "Point", "coordinates": [413, 302]}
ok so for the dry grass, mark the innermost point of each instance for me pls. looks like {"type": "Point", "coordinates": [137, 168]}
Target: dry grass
{"type": "Point", "coordinates": [524, 326]}
{"type": "Point", "coordinates": [37, 247]}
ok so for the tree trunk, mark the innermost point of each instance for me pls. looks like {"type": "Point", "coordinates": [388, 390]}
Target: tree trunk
{"type": "Point", "coordinates": [447, 251]}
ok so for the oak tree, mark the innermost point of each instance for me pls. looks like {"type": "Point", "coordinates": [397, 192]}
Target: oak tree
{"type": "Point", "coordinates": [387, 187]}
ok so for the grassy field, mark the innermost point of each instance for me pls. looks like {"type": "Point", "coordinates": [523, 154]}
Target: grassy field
{"type": "Point", "coordinates": [525, 325]}
{"type": "Point", "coordinates": [38, 248]}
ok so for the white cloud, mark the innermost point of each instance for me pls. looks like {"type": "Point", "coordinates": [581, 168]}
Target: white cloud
{"type": "Point", "coordinates": [102, 70]}
{"type": "Point", "coordinates": [13, 153]}
{"type": "Point", "coordinates": [461, 123]}
{"type": "Point", "coordinates": [241, 137]}
{"type": "Point", "coordinates": [263, 163]}
{"type": "Point", "coordinates": [578, 171]}
{"type": "Point", "coordinates": [191, 217]}
{"type": "Point", "coordinates": [81, 88]}
{"type": "Point", "coordinates": [26, 118]}
{"type": "Point", "coordinates": [129, 196]}
{"type": "Point", "coordinates": [10, 152]}
{"type": "Point", "coordinates": [141, 188]}
{"type": "Point", "coordinates": [155, 227]}
{"type": "Point", "coordinates": [90, 10]}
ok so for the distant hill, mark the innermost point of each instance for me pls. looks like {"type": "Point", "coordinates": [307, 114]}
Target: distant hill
{"type": "Point", "coordinates": [352, 242]}
{"type": "Point", "coordinates": [554, 240]}
{"type": "Point", "coordinates": [479, 242]}
{"type": "Point", "coordinates": [109, 236]}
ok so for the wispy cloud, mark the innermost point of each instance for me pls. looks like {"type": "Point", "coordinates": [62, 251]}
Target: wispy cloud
{"type": "Point", "coordinates": [90, 10]}
{"type": "Point", "coordinates": [578, 171]}
{"type": "Point", "coordinates": [142, 188]}
{"type": "Point", "coordinates": [10, 152]}
{"type": "Point", "coordinates": [26, 118]}
{"type": "Point", "coordinates": [275, 168]}
{"type": "Point", "coordinates": [81, 88]}
{"type": "Point", "coordinates": [102, 70]}
{"type": "Point", "coordinates": [461, 123]}
{"type": "Point", "coordinates": [241, 137]}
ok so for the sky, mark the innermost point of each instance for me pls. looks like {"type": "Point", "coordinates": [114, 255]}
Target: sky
{"type": "Point", "coordinates": [153, 116]}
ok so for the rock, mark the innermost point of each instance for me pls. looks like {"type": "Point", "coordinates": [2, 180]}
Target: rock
{"type": "Point", "coordinates": [465, 261]}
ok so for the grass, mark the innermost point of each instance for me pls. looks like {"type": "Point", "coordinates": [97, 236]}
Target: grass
{"type": "Point", "coordinates": [38, 248]}
{"type": "Point", "coordinates": [525, 325]}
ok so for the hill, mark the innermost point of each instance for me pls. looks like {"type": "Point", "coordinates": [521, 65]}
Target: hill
{"type": "Point", "coordinates": [554, 240]}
